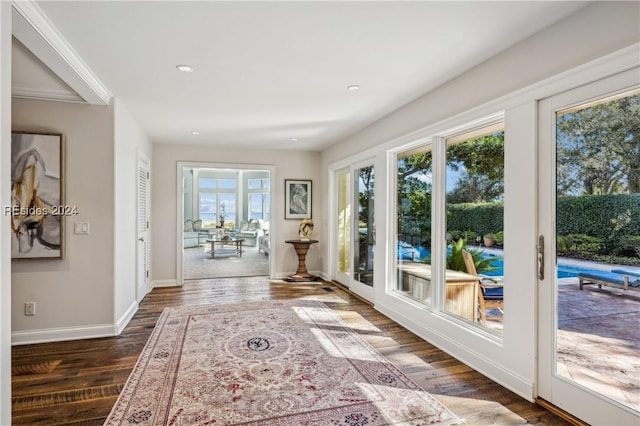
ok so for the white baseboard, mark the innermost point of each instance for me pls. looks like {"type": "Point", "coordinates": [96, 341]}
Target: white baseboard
{"type": "Point", "coordinates": [163, 283]}
{"type": "Point", "coordinates": [125, 318]}
{"type": "Point", "coordinates": [62, 334]}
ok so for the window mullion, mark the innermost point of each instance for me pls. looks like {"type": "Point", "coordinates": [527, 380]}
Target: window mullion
{"type": "Point", "coordinates": [439, 224]}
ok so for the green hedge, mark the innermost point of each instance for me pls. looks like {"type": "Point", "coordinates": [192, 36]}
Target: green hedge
{"type": "Point", "coordinates": [608, 217]}
{"type": "Point", "coordinates": [601, 216]}
{"type": "Point", "coordinates": [481, 218]}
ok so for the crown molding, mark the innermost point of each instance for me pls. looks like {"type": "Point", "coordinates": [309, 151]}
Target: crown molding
{"type": "Point", "coordinates": [46, 94]}
{"type": "Point", "coordinates": [38, 34]}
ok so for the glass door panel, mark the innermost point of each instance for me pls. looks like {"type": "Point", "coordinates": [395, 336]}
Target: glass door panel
{"type": "Point", "coordinates": [597, 222]}
{"type": "Point", "coordinates": [365, 227]}
{"type": "Point", "coordinates": [590, 206]}
{"type": "Point", "coordinates": [342, 274]}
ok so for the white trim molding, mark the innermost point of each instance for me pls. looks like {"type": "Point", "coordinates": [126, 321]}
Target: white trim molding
{"type": "Point", "coordinates": [38, 34]}
{"type": "Point", "coordinates": [162, 283]}
{"type": "Point", "coordinates": [62, 334]}
{"type": "Point", "coordinates": [46, 94]}
{"type": "Point", "coordinates": [122, 322]}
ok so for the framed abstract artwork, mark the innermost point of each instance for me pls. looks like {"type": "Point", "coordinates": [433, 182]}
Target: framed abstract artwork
{"type": "Point", "coordinates": [297, 199]}
{"type": "Point", "coordinates": [37, 207]}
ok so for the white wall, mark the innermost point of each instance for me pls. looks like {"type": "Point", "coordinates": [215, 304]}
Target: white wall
{"type": "Point", "coordinates": [586, 35]}
{"type": "Point", "coordinates": [592, 32]}
{"type": "Point", "coordinates": [5, 178]}
{"type": "Point", "coordinates": [73, 295]}
{"type": "Point", "coordinates": [288, 164]}
{"type": "Point", "coordinates": [130, 140]}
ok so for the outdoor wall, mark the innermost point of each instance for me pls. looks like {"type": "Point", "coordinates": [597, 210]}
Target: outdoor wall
{"type": "Point", "coordinates": [73, 295]}
{"type": "Point", "coordinates": [130, 140]}
{"type": "Point", "coordinates": [288, 164]}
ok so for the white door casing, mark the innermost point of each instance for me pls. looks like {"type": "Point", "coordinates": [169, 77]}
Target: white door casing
{"type": "Point", "coordinates": [142, 228]}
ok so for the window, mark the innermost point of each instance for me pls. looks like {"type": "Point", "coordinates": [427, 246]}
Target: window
{"type": "Point", "coordinates": [471, 173]}
{"type": "Point", "coordinates": [217, 200]}
{"type": "Point", "coordinates": [413, 245]}
{"type": "Point", "coordinates": [474, 188]}
{"type": "Point", "coordinates": [259, 199]}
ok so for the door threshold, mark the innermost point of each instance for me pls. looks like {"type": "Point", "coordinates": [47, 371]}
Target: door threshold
{"type": "Point", "coordinates": [560, 412]}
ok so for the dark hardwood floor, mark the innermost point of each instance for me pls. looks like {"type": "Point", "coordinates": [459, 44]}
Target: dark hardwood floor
{"type": "Point", "coordinates": [77, 382]}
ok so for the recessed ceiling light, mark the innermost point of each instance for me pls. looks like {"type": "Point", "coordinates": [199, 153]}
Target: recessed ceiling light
{"type": "Point", "coordinates": [184, 68]}
{"type": "Point", "coordinates": [353, 88]}
{"type": "Point", "coordinates": [294, 139]}
{"type": "Point", "coordinates": [195, 132]}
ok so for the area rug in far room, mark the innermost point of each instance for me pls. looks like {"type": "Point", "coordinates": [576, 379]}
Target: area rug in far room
{"type": "Point", "coordinates": [267, 363]}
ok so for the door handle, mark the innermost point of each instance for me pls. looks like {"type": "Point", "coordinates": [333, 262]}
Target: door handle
{"type": "Point", "coordinates": [540, 248]}
{"type": "Point", "coordinates": [141, 239]}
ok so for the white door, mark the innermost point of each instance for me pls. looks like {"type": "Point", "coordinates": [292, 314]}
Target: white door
{"type": "Point", "coordinates": [354, 237]}
{"type": "Point", "coordinates": [589, 361]}
{"type": "Point", "coordinates": [363, 227]}
{"type": "Point", "coordinates": [142, 225]}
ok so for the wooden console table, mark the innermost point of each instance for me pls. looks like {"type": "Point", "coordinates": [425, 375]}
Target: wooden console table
{"type": "Point", "coordinates": [301, 246]}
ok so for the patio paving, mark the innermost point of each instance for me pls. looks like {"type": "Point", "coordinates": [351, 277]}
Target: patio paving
{"type": "Point", "coordinates": [599, 340]}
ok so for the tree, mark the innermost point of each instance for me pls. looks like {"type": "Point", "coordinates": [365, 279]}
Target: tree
{"type": "Point", "coordinates": [598, 148]}
{"type": "Point", "coordinates": [480, 163]}
{"type": "Point", "coordinates": [414, 197]}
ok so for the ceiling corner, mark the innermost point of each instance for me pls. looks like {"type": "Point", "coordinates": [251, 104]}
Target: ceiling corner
{"type": "Point", "coordinates": [36, 32]}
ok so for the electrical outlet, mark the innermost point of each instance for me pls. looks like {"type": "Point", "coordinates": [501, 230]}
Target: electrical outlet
{"type": "Point", "coordinates": [30, 309]}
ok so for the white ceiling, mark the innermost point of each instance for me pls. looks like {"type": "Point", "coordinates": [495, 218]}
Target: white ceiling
{"type": "Point", "coordinates": [267, 72]}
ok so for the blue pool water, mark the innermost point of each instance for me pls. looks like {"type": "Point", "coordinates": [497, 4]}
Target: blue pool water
{"type": "Point", "coordinates": [407, 252]}
{"type": "Point", "coordinates": [564, 271]}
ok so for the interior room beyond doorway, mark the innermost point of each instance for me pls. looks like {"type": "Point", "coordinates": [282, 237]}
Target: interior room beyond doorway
{"type": "Point", "coordinates": [226, 216]}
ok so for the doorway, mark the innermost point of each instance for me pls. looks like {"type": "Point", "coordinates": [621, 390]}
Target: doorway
{"type": "Point", "coordinates": [589, 195]}
{"type": "Point", "coordinates": [355, 231]}
{"type": "Point", "coordinates": [224, 221]}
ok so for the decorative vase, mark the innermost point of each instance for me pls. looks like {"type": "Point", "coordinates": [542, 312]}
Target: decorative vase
{"type": "Point", "coordinates": [305, 229]}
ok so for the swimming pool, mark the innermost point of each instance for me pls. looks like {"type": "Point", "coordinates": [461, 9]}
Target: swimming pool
{"type": "Point", "coordinates": [564, 271]}
{"type": "Point", "coordinates": [407, 252]}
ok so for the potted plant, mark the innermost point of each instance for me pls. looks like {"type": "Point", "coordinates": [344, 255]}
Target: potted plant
{"type": "Point", "coordinates": [489, 239]}
{"type": "Point", "coordinates": [223, 214]}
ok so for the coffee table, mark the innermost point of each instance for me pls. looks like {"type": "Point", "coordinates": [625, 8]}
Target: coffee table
{"type": "Point", "coordinates": [235, 246]}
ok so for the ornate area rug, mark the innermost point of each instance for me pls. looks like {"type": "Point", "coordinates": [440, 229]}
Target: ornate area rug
{"type": "Point", "coordinates": [267, 363]}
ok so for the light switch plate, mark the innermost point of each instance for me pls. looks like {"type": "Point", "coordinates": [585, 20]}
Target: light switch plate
{"type": "Point", "coordinates": [81, 228]}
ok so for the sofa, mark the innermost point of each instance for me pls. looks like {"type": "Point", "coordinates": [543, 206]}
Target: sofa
{"type": "Point", "coordinates": [190, 233]}
{"type": "Point", "coordinates": [264, 243]}
{"type": "Point", "coordinates": [250, 230]}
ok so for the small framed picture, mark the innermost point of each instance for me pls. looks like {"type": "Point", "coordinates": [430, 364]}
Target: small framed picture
{"type": "Point", "coordinates": [297, 199]}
